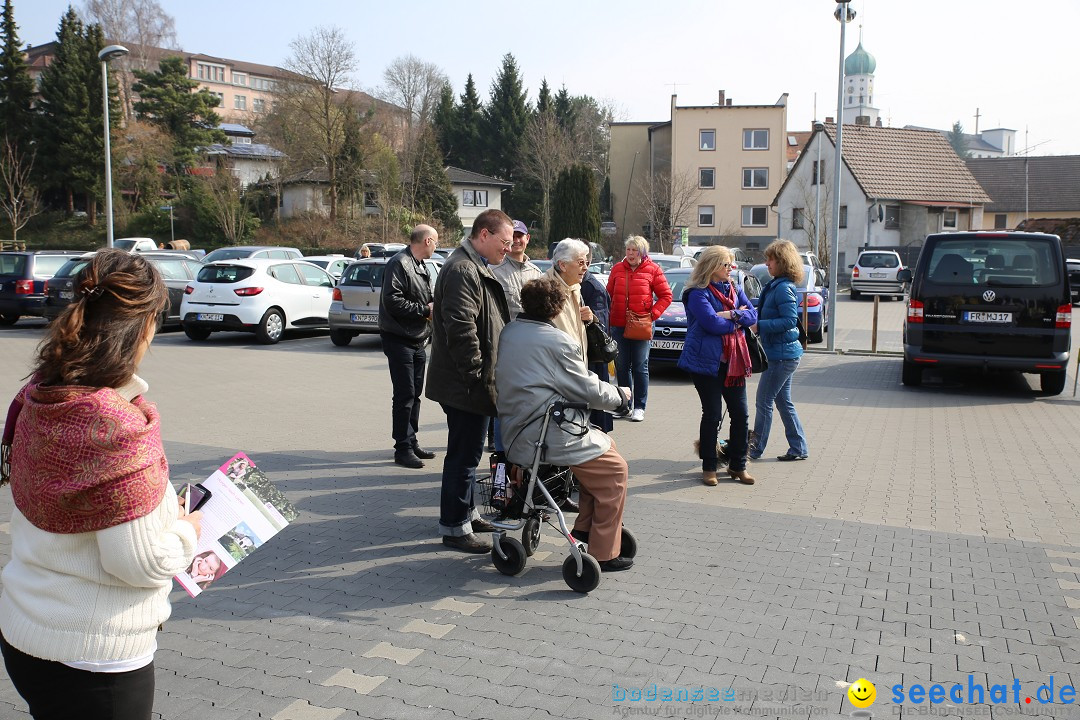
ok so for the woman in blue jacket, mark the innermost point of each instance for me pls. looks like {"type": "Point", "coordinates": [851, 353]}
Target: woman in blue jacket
{"type": "Point", "coordinates": [716, 357]}
{"type": "Point", "coordinates": [778, 315]}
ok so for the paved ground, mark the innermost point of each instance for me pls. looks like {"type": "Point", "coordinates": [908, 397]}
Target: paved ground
{"type": "Point", "coordinates": [931, 536]}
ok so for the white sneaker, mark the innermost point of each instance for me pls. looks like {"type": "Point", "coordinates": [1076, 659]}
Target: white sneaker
{"type": "Point", "coordinates": [638, 415]}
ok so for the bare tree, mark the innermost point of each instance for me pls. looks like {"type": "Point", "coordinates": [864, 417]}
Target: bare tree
{"type": "Point", "coordinates": [18, 199]}
{"type": "Point", "coordinates": [547, 150]}
{"type": "Point", "coordinates": [416, 86]}
{"type": "Point", "coordinates": [817, 234]}
{"type": "Point", "coordinates": [322, 63]}
{"type": "Point", "coordinates": [668, 202]}
{"type": "Point", "coordinates": [230, 206]}
{"type": "Point", "coordinates": [143, 27]}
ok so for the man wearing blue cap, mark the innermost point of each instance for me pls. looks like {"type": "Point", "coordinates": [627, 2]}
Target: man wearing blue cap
{"type": "Point", "coordinates": [516, 269]}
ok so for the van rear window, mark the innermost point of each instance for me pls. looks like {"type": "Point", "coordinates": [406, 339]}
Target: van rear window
{"type": "Point", "coordinates": [12, 265]}
{"type": "Point", "coordinates": [1012, 262]}
{"type": "Point", "coordinates": [879, 260]}
{"type": "Point", "coordinates": [224, 273]}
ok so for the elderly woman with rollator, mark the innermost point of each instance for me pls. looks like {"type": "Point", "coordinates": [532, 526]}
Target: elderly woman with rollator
{"type": "Point", "coordinates": [716, 356]}
{"type": "Point", "coordinates": [538, 364]}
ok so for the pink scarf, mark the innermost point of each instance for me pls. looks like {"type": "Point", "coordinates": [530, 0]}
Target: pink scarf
{"type": "Point", "coordinates": [82, 459]}
{"type": "Point", "coordinates": [738, 357]}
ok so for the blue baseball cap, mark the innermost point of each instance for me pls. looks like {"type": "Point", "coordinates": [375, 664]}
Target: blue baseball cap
{"type": "Point", "coordinates": [520, 227]}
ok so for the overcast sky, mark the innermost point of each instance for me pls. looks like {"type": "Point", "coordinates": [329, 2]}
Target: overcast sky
{"type": "Point", "coordinates": [937, 62]}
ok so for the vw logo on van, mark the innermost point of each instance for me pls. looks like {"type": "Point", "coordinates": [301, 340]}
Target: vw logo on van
{"type": "Point", "coordinates": [989, 296]}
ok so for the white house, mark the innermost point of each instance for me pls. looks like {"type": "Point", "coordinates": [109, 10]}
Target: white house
{"type": "Point", "coordinates": [475, 193]}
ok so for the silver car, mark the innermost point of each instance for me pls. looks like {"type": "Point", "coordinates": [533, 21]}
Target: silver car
{"type": "Point", "coordinates": [875, 273]}
{"type": "Point", "coordinates": [355, 305]}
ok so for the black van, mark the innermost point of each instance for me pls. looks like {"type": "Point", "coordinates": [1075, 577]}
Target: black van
{"type": "Point", "coordinates": [989, 300]}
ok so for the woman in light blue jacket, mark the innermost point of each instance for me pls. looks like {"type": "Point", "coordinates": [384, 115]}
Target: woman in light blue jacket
{"type": "Point", "coordinates": [778, 316]}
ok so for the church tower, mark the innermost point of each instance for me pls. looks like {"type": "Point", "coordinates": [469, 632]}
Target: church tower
{"type": "Point", "coordinates": [859, 88]}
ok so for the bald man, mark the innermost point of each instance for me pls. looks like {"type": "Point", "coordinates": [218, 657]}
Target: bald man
{"type": "Point", "coordinates": [405, 328]}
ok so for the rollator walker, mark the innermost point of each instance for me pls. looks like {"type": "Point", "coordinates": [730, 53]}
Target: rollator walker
{"type": "Point", "coordinates": [522, 498]}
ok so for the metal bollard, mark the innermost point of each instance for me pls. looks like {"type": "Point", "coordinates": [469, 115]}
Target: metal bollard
{"type": "Point", "coordinates": [873, 331]}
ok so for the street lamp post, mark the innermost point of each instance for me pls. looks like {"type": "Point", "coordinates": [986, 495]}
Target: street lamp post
{"type": "Point", "coordinates": [107, 54]}
{"type": "Point", "coordinates": [845, 15]}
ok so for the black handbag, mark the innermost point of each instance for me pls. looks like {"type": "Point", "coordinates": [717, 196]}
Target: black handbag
{"type": "Point", "coordinates": [758, 362]}
{"type": "Point", "coordinates": [602, 347]}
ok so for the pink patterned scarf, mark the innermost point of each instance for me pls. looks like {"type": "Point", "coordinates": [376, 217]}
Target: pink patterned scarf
{"type": "Point", "coordinates": [82, 459]}
{"type": "Point", "coordinates": [735, 350]}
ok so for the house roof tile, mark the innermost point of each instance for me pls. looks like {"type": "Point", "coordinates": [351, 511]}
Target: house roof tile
{"type": "Point", "coordinates": [467, 177]}
{"type": "Point", "coordinates": [1052, 182]}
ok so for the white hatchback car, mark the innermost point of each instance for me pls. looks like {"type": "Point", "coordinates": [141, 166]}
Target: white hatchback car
{"type": "Point", "coordinates": [876, 273]}
{"type": "Point", "coordinates": [256, 295]}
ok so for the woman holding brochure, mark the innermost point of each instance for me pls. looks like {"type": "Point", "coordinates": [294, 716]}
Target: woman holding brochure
{"type": "Point", "coordinates": [97, 532]}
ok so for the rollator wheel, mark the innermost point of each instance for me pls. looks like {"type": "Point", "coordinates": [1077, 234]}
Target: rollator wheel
{"type": "Point", "coordinates": [629, 544]}
{"type": "Point", "coordinates": [590, 573]}
{"type": "Point", "coordinates": [530, 536]}
{"type": "Point", "coordinates": [515, 556]}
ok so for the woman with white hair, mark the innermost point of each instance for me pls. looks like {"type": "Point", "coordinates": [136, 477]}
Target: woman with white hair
{"type": "Point", "coordinates": [569, 263]}
{"type": "Point", "coordinates": [632, 285]}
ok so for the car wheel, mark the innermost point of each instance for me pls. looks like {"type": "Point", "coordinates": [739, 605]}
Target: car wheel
{"type": "Point", "coordinates": [816, 336]}
{"type": "Point", "coordinates": [912, 374]}
{"type": "Point", "coordinates": [341, 338]}
{"type": "Point", "coordinates": [1052, 383]}
{"type": "Point", "coordinates": [855, 294]}
{"type": "Point", "coordinates": [196, 333]}
{"type": "Point", "coordinates": [8, 319]}
{"type": "Point", "coordinates": [270, 327]}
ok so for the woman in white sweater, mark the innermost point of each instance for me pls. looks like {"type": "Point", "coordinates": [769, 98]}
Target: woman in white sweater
{"type": "Point", "coordinates": [97, 532]}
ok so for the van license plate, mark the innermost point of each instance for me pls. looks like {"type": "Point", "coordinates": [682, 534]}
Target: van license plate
{"type": "Point", "coordinates": [973, 316]}
{"type": "Point", "coordinates": [210, 317]}
{"type": "Point", "coordinates": [667, 344]}
{"type": "Point", "coordinates": [359, 318]}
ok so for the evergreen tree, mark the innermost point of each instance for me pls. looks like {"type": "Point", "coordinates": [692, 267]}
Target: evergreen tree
{"type": "Point", "coordinates": [166, 100]}
{"type": "Point", "coordinates": [504, 120]}
{"type": "Point", "coordinates": [575, 206]}
{"type": "Point", "coordinates": [443, 122]}
{"type": "Point", "coordinates": [544, 103]}
{"type": "Point", "coordinates": [564, 109]}
{"type": "Point", "coordinates": [958, 141]}
{"type": "Point", "coordinates": [70, 143]}
{"type": "Point", "coordinates": [434, 194]}
{"type": "Point", "coordinates": [469, 130]}
{"type": "Point", "coordinates": [16, 87]}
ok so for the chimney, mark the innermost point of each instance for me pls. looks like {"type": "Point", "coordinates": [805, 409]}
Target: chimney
{"type": "Point", "coordinates": [879, 122]}
{"type": "Point", "coordinates": [729, 102]}
{"type": "Point", "coordinates": [829, 120]}
{"type": "Point", "coordinates": [721, 103]}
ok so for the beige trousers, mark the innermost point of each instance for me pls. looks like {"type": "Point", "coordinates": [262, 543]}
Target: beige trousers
{"type": "Point", "coordinates": [603, 483]}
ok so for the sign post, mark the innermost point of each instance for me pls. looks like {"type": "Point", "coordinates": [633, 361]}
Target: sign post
{"type": "Point", "coordinates": [172, 233]}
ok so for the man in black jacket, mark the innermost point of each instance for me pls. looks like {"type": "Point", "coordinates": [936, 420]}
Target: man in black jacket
{"type": "Point", "coordinates": [405, 327]}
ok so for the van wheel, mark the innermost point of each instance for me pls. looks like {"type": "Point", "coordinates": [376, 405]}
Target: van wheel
{"type": "Point", "coordinates": [1052, 383]}
{"type": "Point", "coordinates": [9, 319]}
{"type": "Point", "coordinates": [341, 338]}
{"type": "Point", "coordinates": [271, 327]}
{"type": "Point", "coordinates": [855, 294]}
{"type": "Point", "coordinates": [912, 374]}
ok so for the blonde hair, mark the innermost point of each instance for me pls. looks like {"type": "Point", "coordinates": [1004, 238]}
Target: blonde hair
{"type": "Point", "coordinates": [709, 261]}
{"type": "Point", "coordinates": [638, 243]}
{"type": "Point", "coordinates": [788, 261]}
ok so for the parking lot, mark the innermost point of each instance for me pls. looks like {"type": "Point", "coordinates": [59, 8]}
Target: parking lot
{"type": "Point", "coordinates": [932, 535]}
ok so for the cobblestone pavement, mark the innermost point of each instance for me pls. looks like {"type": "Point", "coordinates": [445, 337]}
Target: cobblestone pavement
{"type": "Point", "coordinates": [931, 537]}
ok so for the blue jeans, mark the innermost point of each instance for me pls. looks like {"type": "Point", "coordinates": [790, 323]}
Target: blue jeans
{"type": "Point", "coordinates": [714, 394]}
{"type": "Point", "coordinates": [774, 387]}
{"type": "Point", "coordinates": [632, 366]}
{"type": "Point", "coordinates": [465, 436]}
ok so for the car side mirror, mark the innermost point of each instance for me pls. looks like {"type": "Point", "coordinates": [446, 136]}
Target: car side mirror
{"type": "Point", "coordinates": [904, 275]}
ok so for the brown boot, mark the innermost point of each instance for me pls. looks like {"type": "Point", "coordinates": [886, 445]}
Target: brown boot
{"type": "Point", "coordinates": [742, 476]}
{"type": "Point", "coordinates": [708, 477]}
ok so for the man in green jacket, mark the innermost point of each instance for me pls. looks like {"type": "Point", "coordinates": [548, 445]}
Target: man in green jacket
{"type": "Point", "coordinates": [469, 314]}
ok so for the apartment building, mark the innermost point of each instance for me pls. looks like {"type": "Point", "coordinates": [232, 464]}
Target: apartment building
{"type": "Point", "coordinates": [717, 166]}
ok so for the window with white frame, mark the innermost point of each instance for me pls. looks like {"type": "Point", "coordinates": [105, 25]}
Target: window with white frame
{"type": "Point", "coordinates": [211, 73]}
{"type": "Point", "coordinates": [706, 215]}
{"type": "Point", "coordinates": [755, 216]}
{"type": "Point", "coordinates": [755, 139]}
{"type": "Point", "coordinates": [258, 105]}
{"type": "Point", "coordinates": [892, 217]}
{"type": "Point", "coordinates": [948, 219]}
{"type": "Point", "coordinates": [706, 178]}
{"type": "Point", "coordinates": [755, 178]}
{"type": "Point", "coordinates": [468, 198]}
{"type": "Point", "coordinates": [241, 141]}
{"type": "Point", "coordinates": [481, 198]}
{"type": "Point", "coordinates": [707, 139]}
{"type": "Point", "coordinates": [843, 216]}
{"type": "Point", "coordinates": [239, 102]}
{"type": "Point", "coordinates": [239, 79]}
{"type": "Point", "coordinates": [797, 219]}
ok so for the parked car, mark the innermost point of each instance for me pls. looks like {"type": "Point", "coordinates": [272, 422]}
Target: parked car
{"type": "Point", "coordinates": [355, 306]}
{"type": "Point", "coordinates": [542, 264]}
{"type": "Point", "coordinates": [333, 264]}
{"type": "Point", "coordinates": [813, 293]}
{"type": "Point", "coordinates": [1073, 266]}
{"type": "Point", "coordinates": [23, 275]}
{"type": "Point", "coordinates": [256, 295]}
{"type": "Point", "coordinates": [379, 250]}
{"type": "Point", "coordinates": [253, 251]}
{"type": "Point", "coordinates": [989, 301]}
{"type": "Point", "coordinates": [669, 330]}
{"type": "Point", "coordinates": [608, 228]}
{"type": "Point", "coordinates": [669, 262]}
{"type": "Point", "coordinates": [177, 270]}
{"type": "Point", "coordinates": [875, 273]}
{"type": "Point", "coordinates": [136, 244]}
{"type": "Point", "coordinates": [742, 258]}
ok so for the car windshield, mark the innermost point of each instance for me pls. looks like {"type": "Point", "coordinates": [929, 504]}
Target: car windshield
{"type": "Point", "coordinates": [665, 263]}
{"type": "Point", "coordinates": [993, 261]}
{"type": "Point", "coordinates": [12, 264]}
{"type": "Point", "coordinates": [224, 273]}
{"type": "Point", "coordinates": [363, 273]}
{"type": "Point", "coordinates": [228, 254]}
{"type": "Point", "coordinates": [320, 263]}
{"type": "Point", "coordinates": [879, 260]}
{"type": "Point", "coordinates": [124, 244]}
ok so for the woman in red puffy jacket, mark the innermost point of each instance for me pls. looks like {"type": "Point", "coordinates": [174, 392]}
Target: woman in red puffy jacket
{"type": "Point", "coordinates": [636, 284]}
